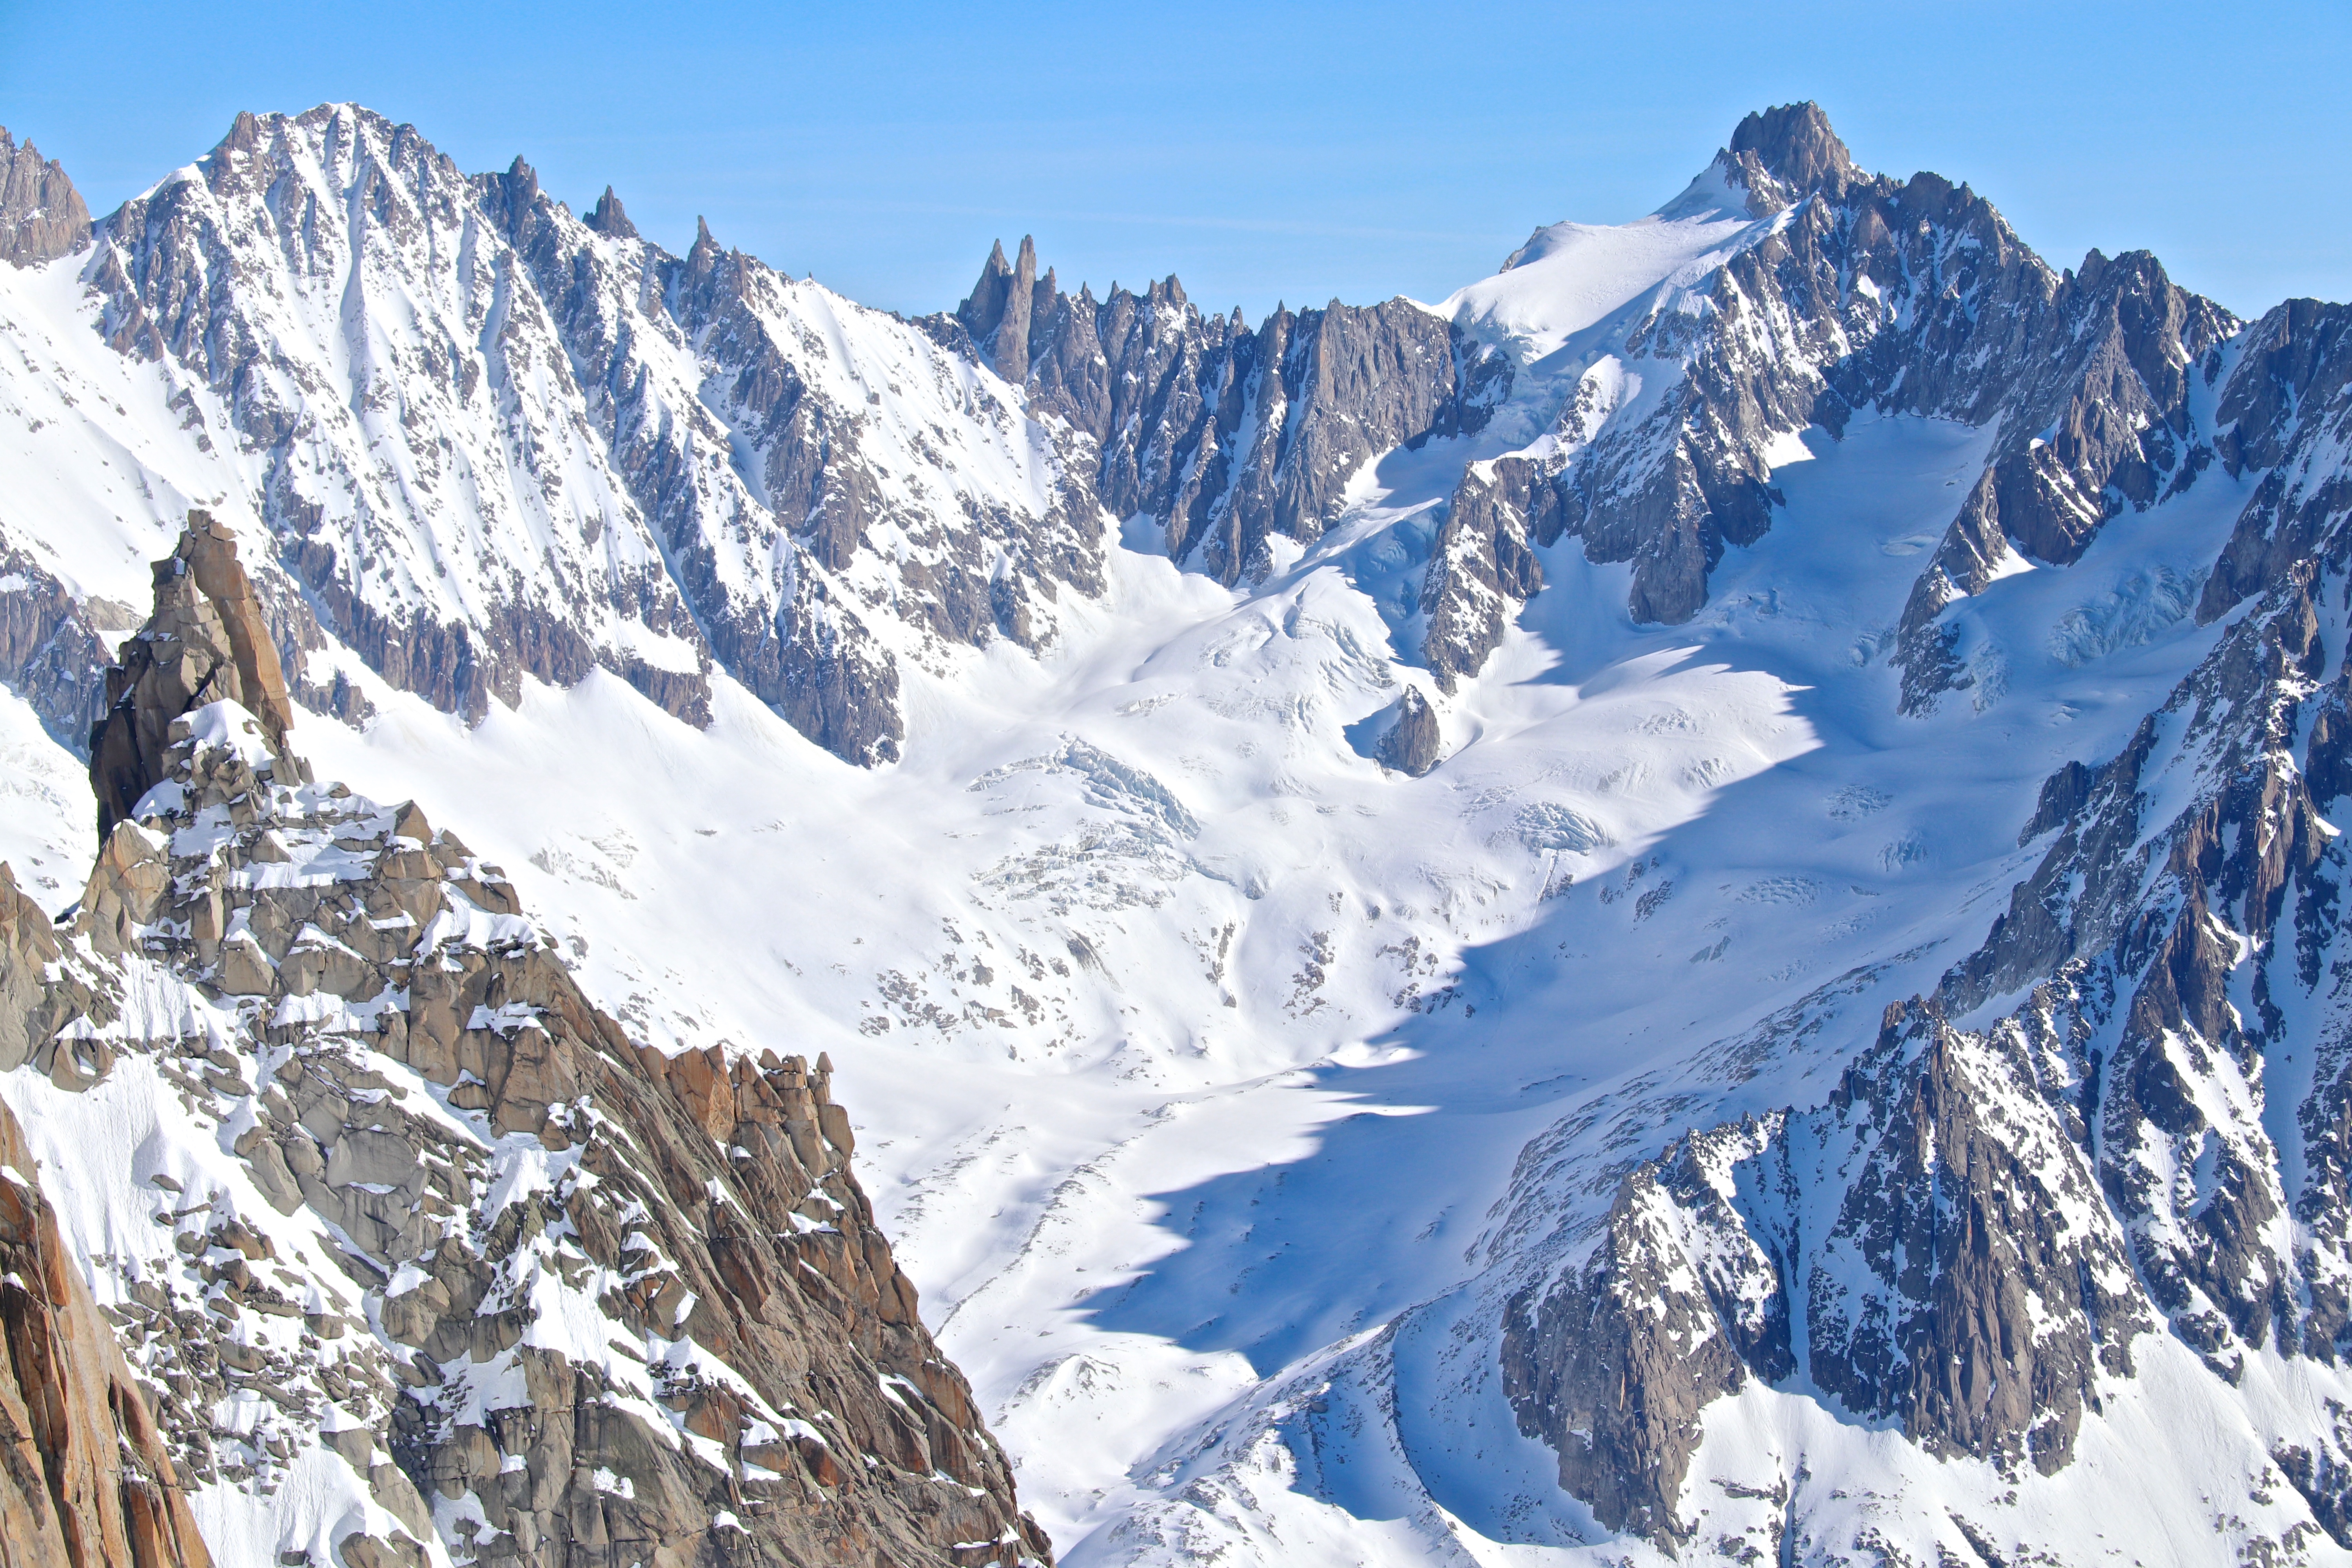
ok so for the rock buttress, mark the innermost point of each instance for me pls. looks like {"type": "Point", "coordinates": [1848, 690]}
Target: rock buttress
{"type": "Point", "coordinates": [205, 642]}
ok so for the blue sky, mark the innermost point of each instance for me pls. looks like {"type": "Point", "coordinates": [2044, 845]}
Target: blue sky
{"type": "Point", "coordinates": [1261, 151]}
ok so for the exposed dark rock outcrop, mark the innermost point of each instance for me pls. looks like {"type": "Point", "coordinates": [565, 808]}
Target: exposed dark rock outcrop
{"type": "Point", "coordinates": [998, 313]}
{"type": "Point", "coordinates": [2288, 397]}
{"type": "Point", "coordinates": [206, 643]}
{"type": "Point", "coordinates": [41, 215]}
{"type": "Point", "coordinates": [1614, 1363]}
{"type": "Point", "coordinates": [2165, 920]}
{"type": "Point", "coordinates": [1483, 566]}
{"type": "Point", "coordinates": [1996, 1296]}
{"type": "Point", "coordinates": [1787, 152]}
{"type": "Point", "coordinates": [1228, 436]}
{"type": "Point", "coordinates": [1414, 743]}
{"type": "Point", "coordinates": [1934, 1230]}
{"type": "Point", "coordinates": [608, 217]}
{"type": "Point", "coordinates": [54, 648]}
{"type": "Point", "coordinates": [2097, 421]}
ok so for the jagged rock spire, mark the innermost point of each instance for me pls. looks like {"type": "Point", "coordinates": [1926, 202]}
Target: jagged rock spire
{"type": "Point", "coordinates": [998, 310]}
{"type": "Point", "coordinates": [511, 195]}
{"type": "Point", "coordinates": [205, 642]}
{"type": "Point", "coordinates": [1787, 152]}
{"type": "Point", "coordinates": [607, 217]}
{"type": "Point", "coordinates": [244, 133]}
{"type": "Point", "coordinates": [41, 215]}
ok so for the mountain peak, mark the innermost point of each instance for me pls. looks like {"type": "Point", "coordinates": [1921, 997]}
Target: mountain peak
{"type": "Point", "coordinates": [608, 216]}
{"type": "Point", "coordinates": [41, 215]}
{"type": "Point", "coordinates": [517, 192]}
{"type": "Point", "coordinates": [1794, 144]}
{"type": "Point", "coordinates": [1777, 157]}
{"type": "Point", "coordinates": [1005, 297]}
{"type": "Point", "coordinates": [244, 133]}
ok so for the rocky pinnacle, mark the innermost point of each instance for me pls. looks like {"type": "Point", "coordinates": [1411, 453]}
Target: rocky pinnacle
{"type": "Point", "coordinates": [41, 215]}
{"type": "Point", "coordinates": [206, 643]}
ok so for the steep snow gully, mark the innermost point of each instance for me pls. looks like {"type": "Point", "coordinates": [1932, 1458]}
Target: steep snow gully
{"type": "Point", "coordinates": [1684, 907]}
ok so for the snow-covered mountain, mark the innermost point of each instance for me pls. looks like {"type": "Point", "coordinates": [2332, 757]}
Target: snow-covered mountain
{"type": "Point", "coordinates": [1684, 905]}
{"type": "Point", "coordinates": [512, 443]}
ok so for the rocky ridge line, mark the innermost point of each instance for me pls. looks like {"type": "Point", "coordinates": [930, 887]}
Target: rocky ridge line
{"type": "Point", "coordinates": [721, 466]}
{"type": "Point", "coordinates": [1855, 293]}
{"type": "Point", "coordinates": [219, 270]}
{"type": "Point", "coordinates": [729, 486]}
{"type": "Point", "coordinates": [1226, 435]}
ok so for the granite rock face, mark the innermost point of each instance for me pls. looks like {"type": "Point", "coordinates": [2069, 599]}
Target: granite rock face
{"type": "Point", "coordinates": [1784, 153]}
{"type": "Point", "coordinates": [482, 1274]}
{"type": "Point", "coordinates": [859, 518]}
{"type": "Point", "coordinates": [1997, 1290]}
{"type": "Point", "coordinates": [2099, 423]}
{"type": "Point", "coordinates": [1614, 1365]}
{"type": "Point", "coordinates": [1484, 565]}
{"type": "Point", "coordinates": [2163, 922]}
{"type": "Point", "coordinates": [1225, 435]}
{"type": "Point", "coordinates": [89, 1478]}
{"type": "Point", "coordinates": [1414, 744]}
{"type": "Point", "coordinates": [55, 646]}
{"type": "Point", "coordinates": [208, 642]}
{"type": "Point", "coordinates": [41, 215]}
{"type": "Point", "coordinates": [2283, 402]}
{"type": "Point", "coordinates": [1931, 1240]}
